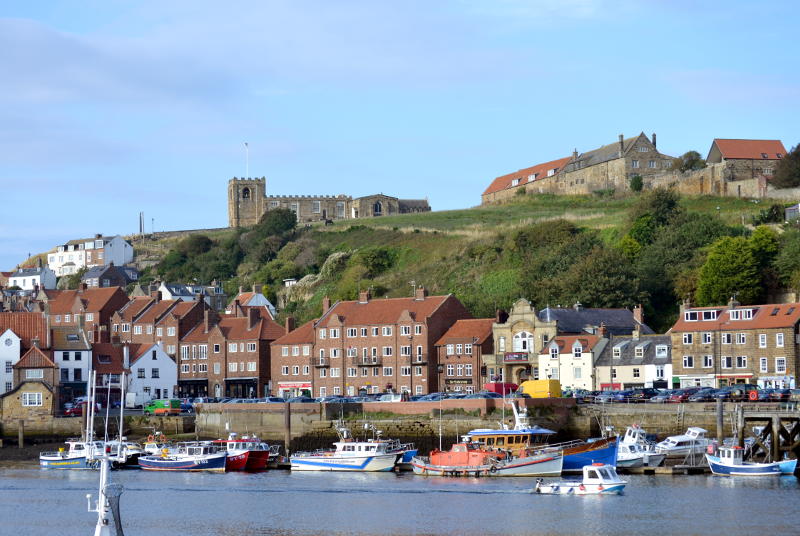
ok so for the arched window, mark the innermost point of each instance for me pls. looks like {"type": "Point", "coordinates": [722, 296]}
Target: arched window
{"type": "Point", "coordinates": [377, 208]}
{"type": "Point", "coordinates": [246, 193]}
{"type": "Point", "coordinates": [523, 342]}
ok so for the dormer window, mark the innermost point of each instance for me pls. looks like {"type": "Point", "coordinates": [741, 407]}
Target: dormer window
{"type": "Point", "coordinates": [532, 177]}
{"type": "Point", "coordinates": [709, 315]}
{"type": "Point", "coordinates": [779, 155]}
{"type": "Point", "coordinates": [104, 358]}
{"type": "Point", "coordinates": [691, 316]}
{"type": "Point", "coordinates": [554, 352]}
{"type": "Point", "coordinates": [764, 155]}
{"type": "Point", "coordinates": [577, 350]}
{"type": "Point", "coordinates": [515, 182]}
{"type": "Point", "coordinates": [662, 351]}
{"type": "Point", "coordinates": [741, 314]}
{"type": "Point", "coordinates": [552, 172]}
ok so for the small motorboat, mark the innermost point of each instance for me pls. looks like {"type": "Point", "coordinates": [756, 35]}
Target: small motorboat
{"type": "Point", "coordinates": [188, 457]}
{"type": "Point", "coordinates": [635, 444]}
{"type": "Point", "coordinates": [730, 462]}
{"type": "Point", "coordinates": [598, 479]}
{"type": "Point", "coordinates": [694, 441]}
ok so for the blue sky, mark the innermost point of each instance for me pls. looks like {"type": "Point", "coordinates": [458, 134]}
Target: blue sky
{"type": "Point", "coordinates": [108, 108]}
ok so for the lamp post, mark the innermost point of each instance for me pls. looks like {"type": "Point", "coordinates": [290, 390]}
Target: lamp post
{"type": "Point", "coordinates": [411, 361]}
{"type": "Point", "coordinates": [439, 371]}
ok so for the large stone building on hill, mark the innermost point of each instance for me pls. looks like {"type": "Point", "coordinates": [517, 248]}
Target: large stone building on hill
{"type": "Point", "coordinates": [248, 201]}
{"type": "Point", "coordinates": [736, 168]}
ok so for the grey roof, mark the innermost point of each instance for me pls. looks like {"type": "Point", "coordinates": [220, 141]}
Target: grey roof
{"type": "Point", "coordinates": [129, 273]}
{"type": "Point", "coordinates": [27, 272]}
{"type": "Point", "coordinates": [628, 347]}
{"type": "Point", "coordinates": [179, 289]}
{"type": "Point", "coordinates": [576, 319]}
{"type": "Point", "coordinates": [413, 203]}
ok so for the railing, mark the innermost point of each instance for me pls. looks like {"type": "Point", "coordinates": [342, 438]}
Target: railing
{"type": "Point", "coordinates": [369, 361]}
{"type": "Point", "coordinates": [320, 362]}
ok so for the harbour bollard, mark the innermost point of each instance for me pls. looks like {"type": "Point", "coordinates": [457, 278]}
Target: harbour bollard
{"type": "Point", "coordinates": [21, 433]}
{"type": "Point", "coordinates": [287, 426]}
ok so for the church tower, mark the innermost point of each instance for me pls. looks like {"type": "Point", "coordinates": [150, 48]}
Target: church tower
{"type": "Point", "coordinates": [246, 201]}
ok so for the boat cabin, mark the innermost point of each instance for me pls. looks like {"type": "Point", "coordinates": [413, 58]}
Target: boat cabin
{"type": "Point", "coordinates": [696, 432]}
{"type": "Point", "coordinates": [361, 447]}
{"type": "Point", "coordinates": [637, 434]}
{"type": "Point", "coordinates": [465, 455]}
{"type": "Point", "coordinates": [599, 473]}
{"type": "Point", "coordinates": [512, 440]}
{"type": "Point", "coordinates": [731, 455]}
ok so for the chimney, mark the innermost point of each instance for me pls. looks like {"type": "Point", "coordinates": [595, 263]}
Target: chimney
{"type": "Point", "coordinates": [156, 295]}
{"type": "Point", "coordinates": [241, 289]}
{"type": "Point", "coordinates": [252, 317]}
{"type": "Point", "coordinates": [578, 306]}
{"type": "Point", "coordinates": [257, 288]}
{"type": "Point", "coordinates": [575, 154]}
{"type": "Point", "coordinates": [198, 297]}
{"type": "Point", "coordinates": [420, 293]}
{"type": "Point", "coordinates": [654, 141]}
{"type": "Point", "coordinates": [238, 312]}
{"type": "Point", "coordinates": [637, 332]}
{"type": "Point", "coordinates": [83, 286]}
{"type": "Point", "coordinates": [126, 357]}
{"type": "Point", "coordinates": [98, 235]}
{"type": "Point", "coordinates": [500, 316]}
{"type": "Point", "coordinates": [638, 314]}
{"type": "Point", "coordinates": [603, 331]}
{"type": "Point", "coordinates": [289, 324]}
{"type": "Point", "coordinates": [733, 303]}
{"type": "Point", "coordinates": [363, 296]}
{"type": "Point", "coordinates": [621, 145]}
{"type": "Point", "coordinates": [206, 321]}
{"type": "Point", "coordinates": [326, 304]}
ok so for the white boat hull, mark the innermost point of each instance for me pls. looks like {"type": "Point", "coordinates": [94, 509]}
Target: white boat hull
{"type": "Point", "coordinates": [577, 488]}
{"type": "Point", "coordinates": [333, 462]}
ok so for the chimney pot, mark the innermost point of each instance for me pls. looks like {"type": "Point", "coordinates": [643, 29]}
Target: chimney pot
{"type": "Point", "coordinates": [638, 314]}
{"type": "Point", "coordinates": [252, 317]}
{"type": "Point", "coordinates": [654, 141]}
{"type": "Point", "coordinates": [363, 296]}
{"type": "Point", "coordinates": [326, 304]}
{"type": "Point", "coordinates": [621, 144]}
{"type": "Point", "coordinates": [290, 324]}
{"type": "Point", "coordinates": [420, 293]}
{"type": "Point", "coordinates": [156, 295]}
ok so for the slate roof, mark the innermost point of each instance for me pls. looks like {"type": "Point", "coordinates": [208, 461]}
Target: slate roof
{"type": "Point", "coordinates": [778, 315]}
{"type": "Point", "coordinates": [252, 299]}
{"type": "Point", "coordinates": [575, 320]}
{"type": "Point", "coordinates": [602, 154]}
{"type": "Point", "coordinates": [539, 171]}
{"type": "Point", "coordinates": [467, 328]}
{"type": "Point", "coordinates": [69, 338]}
{"type": "Point", "coordinates": [97, 272]}
{"type": "Point", "coordinates": [628, 351]}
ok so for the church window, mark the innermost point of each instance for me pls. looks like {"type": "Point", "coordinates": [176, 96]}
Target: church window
{"type": "Point", "coordinates": [246, 193]}
{"type": "Point", "coordinates": [377, 208]}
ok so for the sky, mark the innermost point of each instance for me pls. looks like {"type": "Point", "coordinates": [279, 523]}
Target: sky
{"type": "Point", "coordinates": [110, 108]}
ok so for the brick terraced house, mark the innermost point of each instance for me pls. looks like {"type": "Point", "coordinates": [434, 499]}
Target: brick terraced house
{"type": "Point", "coordinates": [90, 308]}
{"type": "Point", "coordinates": [460, 352]}
{"type": "Point", "coordinates": [291, 362]}
{"type": "Point", "coordinates": [724, 345]}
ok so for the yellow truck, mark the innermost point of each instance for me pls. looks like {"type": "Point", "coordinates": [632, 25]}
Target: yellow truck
{"type": "Point", "coordinates": [541, 388]}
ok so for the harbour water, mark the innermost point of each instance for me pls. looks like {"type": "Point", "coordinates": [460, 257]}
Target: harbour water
{"type": "Point", "coordinates": [277, 503]}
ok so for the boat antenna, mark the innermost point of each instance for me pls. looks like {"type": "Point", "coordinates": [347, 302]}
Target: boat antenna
{"type": "Point", "coordinates": [440, 424]}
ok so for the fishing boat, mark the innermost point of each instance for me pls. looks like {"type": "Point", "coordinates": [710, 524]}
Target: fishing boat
{"type": "Point", "coordinates": [598, 479]}
{"type": "Point", "coordinates": [124, 453]}
{"type": "Point", "coordinates": [78, 454]}
{"type": "Point", "coordinates": [155, 444]}
{"type": "Point", "coordinates": [244, 453]}
{"type": "Point", "coordinates": [348, 454]}
{"type": "Point", "coordinates": [636, 450]}
{"type": "Point", "coordinates": [730, 462]}
{"type": "Point", "coordinates": [578, 454]}
{"type": "Point", "coordinates": [407, 451]}
{"type": "Point", "coordinates": [193, 456]}
{"type": "Point", "coordinates": [694, 441]}
{"type": "Point", "coordinates": [470, 458]}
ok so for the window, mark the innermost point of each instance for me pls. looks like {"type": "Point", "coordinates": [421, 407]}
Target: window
{"type": "Point", "coordinates": [233, 347]}
{"type": "Point", "coordinates": [352, 372]}
{"type": "Point", "coordinates": [68, 318]}
{"type": "Point", "coordinates": [315, 207]}
{"type": "Point", "coordinates": [762, 340]}
{"type": "Point", "coordinates": [337, 390]}
{"type": "Point", "coordinates": [185, 368]}
{"type": "Point", "coordinates": [726, 361]}
{"type": "Point", "coordinates": [501, 344]}
{"type": "Point", "coordinates": [77, 356]}
{"type": "Point", "coordinates": [334, 352]}
{"type": "Point", "coordinates": [295, 370]}
{"type": "Point", "coordinates": [450, 349]}
{"type": "Point", "coordinates": [634, 164]}
{"type": "Point", "coordinates": [387, 351]}
{"type": "Point", "coordinates": [554, 352]}
{"type": "Point", "coordinates": [336, 372]}
{"type": "Point", "coordinates": [386, 331]}
{"type": "Point", "coordinates": [8, 386]}
{"type": "Point", "coordinates": [170, 332]}
{"type": "Point", "coordinates": [202, 367]}
{"type": "Point", "coordinates": [459, 370]}
{"type": "Point", "coordinates": [635, 372]}
{"type": "Point", "coordinates": [577, 350]}
{"type": "Point", "coordinates": [333, 333]}
{"type": "Point", "coordinates": [232, 367]}
{"type": "Point", "coordinates": [284, 351]}
{"type": "Point", "coordinates": [251, 347]}
{"type": "Point", "coordinates": [184, 351]}
{"type": "Point", "coordinates": [522, 342]}
{"type": "Point", "coordinates": [323, 333]}
{"type": "Point", "coordinates": [323, 391]}
{"type": "Point", "coordinates": [352, 332]}
{"type": "Point", "coordinates": [651, 164]}
{"type": "Point", "coordinates": [388, 371]}
{"type": "Point", "coordinates": [140, 373]}
{"type": "Point", "coordinates": [741, 361]}
{"type": "Point", "coordinates": [710, 315]}
{"type": "Point", "coordinates": [418, 370]}
{"type": "Point", "coordinates": [660, 372]}
{"type": "Point", "coordinates": [31, 399]}
{"type": "Point", "coordinates": [639, 351]}
{"type": "Point", "coordinates": [688, 338]}
{"type": "Point", "coordinates": [34, 374]}
{"type": "Point", "coordinates": [617, 351]}
{"type": "Point", "coordinates": [727, 338]}
{"type": "Point", "coordinates": [125, 327]}
{"type": "Point", "coordinates": [405, 330]}
{"type": "Point", "coordinates": [688, 361]}
{"type": "Point", "coordinates": [514, 182]}
{"type": "Point", "coordinates": [780, 365]}
{"type": "Point", "coordinates": [468, 349]}
{"type": "Point", "coordinates": [137, 330]}
{"type": "Point", "coordinates": [353, 351]}
{"type": "Point", "coordinates": [154, 373]}
{"type": "Point", "coordinates": [171, 349]}
{"type": "Point", "coordinates": [363, 332]}
{"type": "Point", "coordinates": [405, 371]}
{"type": "Point", "coordinates": [779, 340]}
{"type": "Point", "coordinates": [418, 329]}
{"type": "Point", "coordinates": [375, 332]}
{"type": "Point", "coordinates": [741, 338]}
{"type": "Point", "coordinates": [216, 368]}
{"type": "Point", "coordinates": [306, 369]}
{"type": "Point", "coordinates": [690, 316]}
{"type": "Point", "coordinates": [159, 331]}
{"type": "Point", "coordinates": [285, 370]}
{"type": "Point", "coordinates": [376, 371]}
{"type": "Point", "coordinates": [613, 373]}
{"type": "Point", "coordinates": [306, 350]}
{"type": "Point", "coordinates": [459, 349]}
{"type": "Point", "coordinates": [64, 355]}
{"type": "Point", "coordinates": [642, 149]}
{"type": "Point", "coordinates": [763, 365]}
{"type": "Point", "coordinates": [708, 361]}
{"type": "Point", "coordinates": [741, 314]}
{"type": "Point", "coordinates": [405, 350]}
{"type": "Point", "coordinates": [149, 328]}
{"type": "Point", "coordinates": [451, 370]}
{"type": "Point", "coordinates": [64, 375]}
{"type": "Point", "coordinates": [707, 338]}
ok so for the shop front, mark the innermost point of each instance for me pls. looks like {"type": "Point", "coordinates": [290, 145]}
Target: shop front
{"type": "Point", "coordinates": [192, 388]}
{"type": "Point", "coordinates": [241, 387]}
{"type": "Point", "coordinates": [290, 389]}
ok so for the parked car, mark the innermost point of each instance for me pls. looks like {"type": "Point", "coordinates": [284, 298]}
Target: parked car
{"type": "Point", "coordinates": [780, 395]}
{"type": "Point", "coordinates": [187, 406]}
{"type": "Point", "coordinates": [705, 394]}
{"type": "Point", "coordinates": [643, 394]}
{"type": "Point", "coordinates": [662, 397]}
{"type": "Point", "coordinates": [682, 395]}
{"type": "Point", "coordinates": [301, 399]}
{"type": "Point", "coordinates": [605, 397]}
{"type": "Point", "coordinates": [273, 400]}
{"type": "Point", "coordinates": [794, 395]}
{"type": "Point", "coordinates": [589, 396]}
{"type": "Point", "coordinates": [432, 397]}
{"type": "Point", "coordinates": [77, 409]}
{"type": "Point", "coordinates": [744, 391]}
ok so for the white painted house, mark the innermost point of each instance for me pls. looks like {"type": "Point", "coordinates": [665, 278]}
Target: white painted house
{"type": "Point", "coordinates": [10, 348]}
{"type": "Point", "coordinates": [570, 360]}
{"type": "Point", "coordinates": [153, 373]}
{"type": "Point", "coordinates": [40, 277]}
{"type": "Point", "coordinates": [85, 252]}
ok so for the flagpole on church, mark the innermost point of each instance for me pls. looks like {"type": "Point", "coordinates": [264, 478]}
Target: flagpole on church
{"type": "Point", "coordinates": [247, 160]}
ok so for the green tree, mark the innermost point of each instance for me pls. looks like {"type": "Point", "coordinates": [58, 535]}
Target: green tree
{"type": "Point", "coordinates": [636, 183]}
{"type": "Point", "coordinates": [764, 244]}
{"type": "Point", "coordinates": [689, 161]}
{"type": "Point", "coordinates": [376, 259]}
{"type": "Point", "coordinates": [661, 204]}
{"type": "Point", "coordinates": [276, 222]}
{"type": "Point", "coordinates": [730, 269]}
{"type": "Point", "coordinates": [194, 245]}
{"type": "Point", "coordinates": [787, 172]}
{"type": "Point", "coordinates": [644, 229]}
{"type": "Point", "coordinates": [603, 278]}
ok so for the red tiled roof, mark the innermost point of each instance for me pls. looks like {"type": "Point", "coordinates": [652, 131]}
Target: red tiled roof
{"type": "Point", "coordinates": [302, 335]}
{"type": "Point", "coordinates": [94, 299]}
{"type": "Point", "coordinates": [235, 329]}
{"type": "Point", "coordinates": [750, 149]}
{"type": "Point", "coordinates": [27, 327]}
{"type": "Point", "coordinates": [464, 329]}
{"type": "Point", "coordinates": [156, 311]}
{"type": "Point", "coordinates": [115, 355]}
{"type": "Point", "coordinates": [565, 343]}
{"type": "Point", "coordinates": [786, 315]}
{"type": "Point", "coordinates": [35, 358]}
{"type": "Point", "coordinates": [382, 310]}
{"type": "Point", "coordinates": [504, 181]}
{"type": "Point", "coordinates": [134, 307]}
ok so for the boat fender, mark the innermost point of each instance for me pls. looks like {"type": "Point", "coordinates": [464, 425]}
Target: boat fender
{"type": "Point", "coordinates": [493, 469]}
{"type": "Point", "coordinates": [600, 487]}
{"type": "Point", "coordinates": [582, 487]}
{"type": "Point", "coordinates": [150, 439]}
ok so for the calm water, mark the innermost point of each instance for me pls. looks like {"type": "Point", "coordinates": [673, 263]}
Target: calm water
{"type": "Point", "coordinates": [35, 502]}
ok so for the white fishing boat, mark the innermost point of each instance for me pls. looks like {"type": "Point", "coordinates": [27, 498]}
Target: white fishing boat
{"type": "Point", "coordinates": [635, 450]}
{"type": "Point", "coordinates": [348, 455]}
{"type": "Point", "coordinates": [77, 454]}
{"type": "Point", "coordinates": [694, 441]}
{"type": "Point", "coordinates": [598, 479]}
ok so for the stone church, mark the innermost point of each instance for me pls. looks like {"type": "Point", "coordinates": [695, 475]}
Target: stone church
{"type": "Point", "coordinates": [248, 201]}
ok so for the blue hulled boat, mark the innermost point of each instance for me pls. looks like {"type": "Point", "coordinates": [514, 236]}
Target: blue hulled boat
{"type": "Point", "coordinates": [730, 462]}
{"type": "Point", "coordinates": [189, 457]}
{"type": "Point", "coordinates": [578, 456]}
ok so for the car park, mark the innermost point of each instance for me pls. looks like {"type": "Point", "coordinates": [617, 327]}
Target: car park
{"type": "Point", "coordinates": [301, 399]}
{"type": "Point", "coordinates": [642, 394]}
{"type": "Point", "coordinates": [779, 395]}
{"type": "Point", "coordinates": [705, 394]}
{"type": "Point", "coordinates": [662, 397]}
